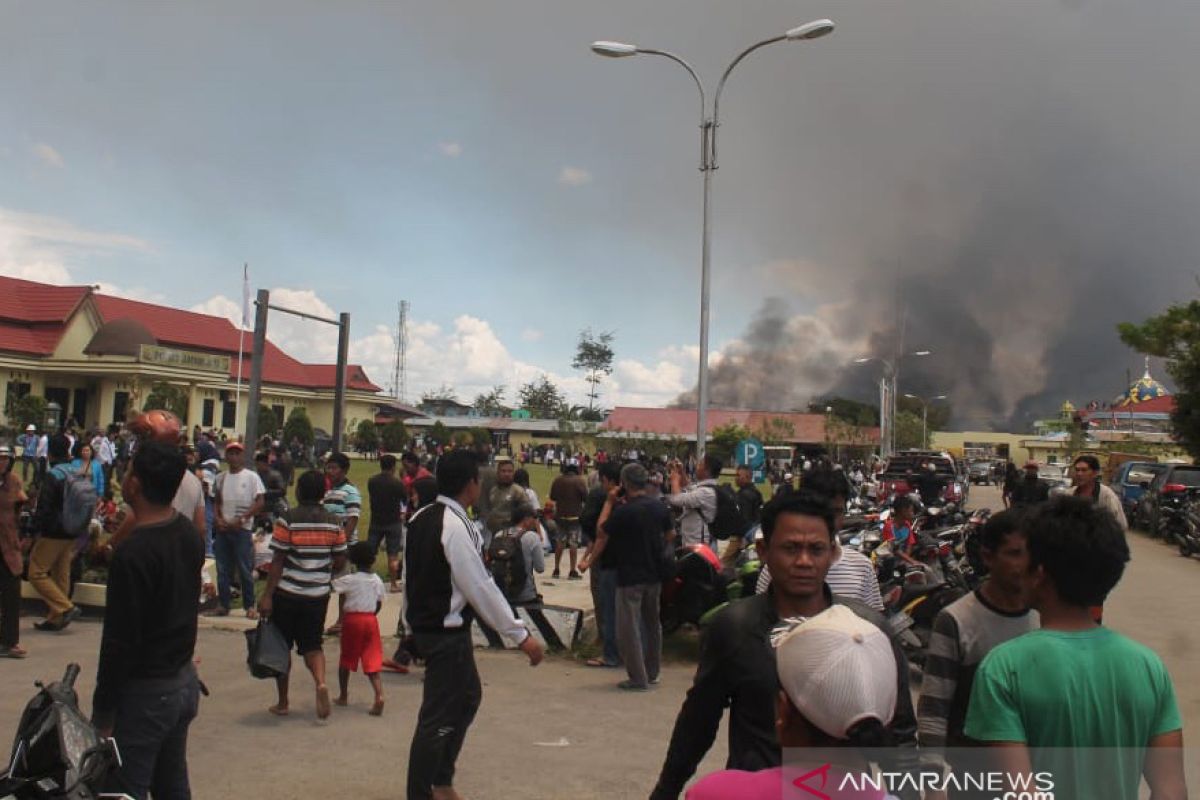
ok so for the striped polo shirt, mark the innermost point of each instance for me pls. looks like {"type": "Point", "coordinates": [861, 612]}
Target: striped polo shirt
{"type": "Point", "coordinates": [344, 500]}
{"type": "Point", "coordinates": [310, 537]}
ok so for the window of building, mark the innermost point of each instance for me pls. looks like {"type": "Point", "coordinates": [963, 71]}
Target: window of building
{"type": "Point", "coordinates": [208, 412]}
{"type": "Point", "coordinates": [16, 390]}
{"type": "Point", "coordinates": [278, 412]}
{"type": "Point", "coordinates": [228, 414]}
{"type": "Point", "coordinates": [120, 407]}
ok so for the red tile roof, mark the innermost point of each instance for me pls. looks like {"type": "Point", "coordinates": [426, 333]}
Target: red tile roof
{"type": "Point", "coordinates": [807, 428]}
{"type": "Point", "coordinates": [33, 317]}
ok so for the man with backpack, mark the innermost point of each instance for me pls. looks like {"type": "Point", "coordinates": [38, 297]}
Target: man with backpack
{"type": "Point", "coordinates": [514, 555]}
{"type": "Point", "coordinates": [50, 559]}
{"type": "Point", "coordinates": [698, 501]}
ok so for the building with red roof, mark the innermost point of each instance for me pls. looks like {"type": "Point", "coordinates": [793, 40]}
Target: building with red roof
{"type": "Point", "coordinates": [96, 357]}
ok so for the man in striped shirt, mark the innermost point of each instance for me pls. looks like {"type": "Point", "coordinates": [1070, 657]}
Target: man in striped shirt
{"type": "Point", "coordinates": [852, 574]}
{"type": "Point", "coordinates": [309, 545]}
{"type": "Point", "coordinates": [344, 501]}
{"type": "Point", "coordinates": [966, 630]}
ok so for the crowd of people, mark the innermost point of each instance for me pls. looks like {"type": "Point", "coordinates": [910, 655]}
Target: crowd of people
{"type": "Point", "coordinates": [808, 661]}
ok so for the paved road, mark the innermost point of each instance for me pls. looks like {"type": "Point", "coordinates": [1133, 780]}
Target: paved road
{"type": "Point", "coordinates": [557, 731]}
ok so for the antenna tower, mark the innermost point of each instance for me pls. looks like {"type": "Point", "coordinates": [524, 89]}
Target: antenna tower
{"type": "Point", "coordinates": [399, 367]}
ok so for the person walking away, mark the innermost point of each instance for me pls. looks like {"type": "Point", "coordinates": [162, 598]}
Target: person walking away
{"type": "Point", "coordinates": [835, 696]}
{"type": "Point", "coordinates": [515, 554]}
{"type": "Point", "coordinates": [343, 500]}
{"type": "Point", "coordinates": [447, 584]}
{"type": "Point", "coordinates": [637, 529]}
{"type": "Point", "coordinates": [424, 492]}
{"type": "Point", "coordinates": [308, 545]}
{"type": "Point", "coordinates": [12, 497]}
{"type": "Point", "coordinates": [737, 668]}
{"type": "Point", "coordinates": [568, 493]}
{"type": "Point", "coordinates": [364, 594]}
{"type": "Point", "coordinates": [239, 498]}
{"type": "Point", "coordinates": [1012, 476]}
{"type": "Point", "coordinates": [388, 497]}
{"type": "Point", "coordinates": [1029, 490]}
{"type": "Point", "coordinates": [965, 631]}
{"type": "Point", "coordinates": [603, 578]}
{"type": "Point", "coordinates": [1036, 697]}
{"type": "Point", "coordinates": [29, 445]}
{"type": "Point", "coordinates": [147, 692]}
{"type": "Point", "coordinates": [698, 501]}
{"type": "Point", "coordinates": [54, 548]}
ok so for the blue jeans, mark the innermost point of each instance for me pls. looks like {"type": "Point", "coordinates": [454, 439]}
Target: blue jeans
{"type": "Point", "coordinates": [234, 550]}
{"type": "Point", "coordinates": [209, 521]}
{"type": "Point", "coordinates": [151, 729]}
{"type": "Point", "coordinates": [608, 614]}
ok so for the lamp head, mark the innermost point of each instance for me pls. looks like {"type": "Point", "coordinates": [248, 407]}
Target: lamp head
{"type": "Point", "coordinates": [614, 49]}
{"type": "Point", "coordinates": [810, 30]}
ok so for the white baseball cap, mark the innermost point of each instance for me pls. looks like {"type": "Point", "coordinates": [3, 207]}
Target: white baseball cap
{"type": "Point", "coordinates": [31, 427]}
{"type": "Point", "coordinates": [838, 670]}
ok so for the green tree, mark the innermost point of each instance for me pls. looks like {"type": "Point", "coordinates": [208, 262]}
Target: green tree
{"type": "Point", "coordinates": [908, 430]}
{"type": "Point", "coordinates": [298, 426]}
{"type": "Point", "coordinates": [594, 355]}
{"type": "Point", "coordinates": [168, 397]}
{"type": "Point", "coordinates": [724, 439]}
{"type": "Point", "coordinates": [268, 421]}
{"type": "Point", "coordinates": [1175, 336]}
{"type": "Point", "coordinates": [776, 430]}
{"type": "Point", "coordinates": [491, 403]}
{"type": "Point", "coordinates": [937, 419]}
{"type": "Point", "coordinates": [443, 392]}
{"type": "Point", "coordinates": [542, 399]}
{"type": "Point", "coordinates": [851, 411]}
{"type": "Point", "coordinates": [439, 433]}
{"type": "Point", "coordinates": [366, 436]}
{"type": "Point", "coordinates": [395, 436]}
{"type": "Point", "coordinates": [26, 411]}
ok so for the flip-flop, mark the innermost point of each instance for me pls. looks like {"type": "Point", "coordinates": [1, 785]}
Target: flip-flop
{"type": "Point", "coordinates": [377, 709]}
{"type": "Point", "coordinates": [599, 662]}
{"type": "Point", "coordinates": [277, 711]}
{"type": "Point", "coordinates": [323, 708]}
{"type": "Point", "coordinates": [13, 652]}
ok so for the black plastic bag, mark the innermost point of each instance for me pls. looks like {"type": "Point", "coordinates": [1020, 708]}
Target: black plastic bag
{"type": "Point", "coordinates": [267, 652]}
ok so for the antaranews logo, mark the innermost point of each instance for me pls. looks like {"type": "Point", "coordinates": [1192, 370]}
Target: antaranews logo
{"type": "Point", "coordinates": [823, 783]}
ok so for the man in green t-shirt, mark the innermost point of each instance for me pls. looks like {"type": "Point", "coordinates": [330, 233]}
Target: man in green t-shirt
{"type": "Point", "coordinates": [1075, 699]}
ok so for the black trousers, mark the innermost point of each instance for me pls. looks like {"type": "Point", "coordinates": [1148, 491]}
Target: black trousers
{"type": "Point", "coordinates": [10, 606]}
{"type": "Point", "coordinates": [451, 698]}
{"type": "Point", "coordinates": [152, 729]}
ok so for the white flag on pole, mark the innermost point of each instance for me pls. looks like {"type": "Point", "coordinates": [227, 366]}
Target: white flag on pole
{"type": "Point", "coordinates": [245, 296]}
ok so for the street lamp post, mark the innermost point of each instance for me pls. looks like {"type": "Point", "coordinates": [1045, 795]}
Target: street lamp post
{"type": "Point", "coordinates": [887, 397]}
{"type": "Point", "coordinates": [925, 413]}
{"type": "Point", "coordinates": [708, 164]}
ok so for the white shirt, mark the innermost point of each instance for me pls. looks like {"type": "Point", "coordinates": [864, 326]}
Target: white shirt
{"type": "Point", "coordinates": [104, 450]}
{"type": "Point", "coordinates": [237, 491]}
{"type": "Point", "coordinates": [189, 497]}
{"type": "Point", "coordinates": [363, 591]}
{"type": "Point", "coordinates": [43, 446]}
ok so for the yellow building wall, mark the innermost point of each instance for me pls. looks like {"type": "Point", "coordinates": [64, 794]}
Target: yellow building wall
{"type": "Point", "coordinates": [954, 441]}
{"type": "Point", "coordinates": [80, 331]}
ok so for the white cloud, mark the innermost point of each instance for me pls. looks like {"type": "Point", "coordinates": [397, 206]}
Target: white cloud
{"type": "Point", "coordinates": [574, 176]}
{"type": "Point", "coordinates": [47, 249]}
{"type": "Point", "coordinates": [450, 149]}
{"type": "Point", "coordinates": [48, 155]}
{"type": "Point", "coordinates": [531, 335]}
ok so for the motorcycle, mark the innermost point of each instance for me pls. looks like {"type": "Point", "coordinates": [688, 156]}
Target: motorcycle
{"type": "Point", "coordinates": [914, 592]}
{"type": "Point", "coordinates": [698, 584]}
{"type": "Point", "coordinates": [57, 753]}
{"type": "Point", "coordinates": [1181, 522]}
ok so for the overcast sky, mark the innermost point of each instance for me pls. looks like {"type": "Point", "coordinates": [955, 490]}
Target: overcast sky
{"type": "Point", "coordinates": [1006, 179]}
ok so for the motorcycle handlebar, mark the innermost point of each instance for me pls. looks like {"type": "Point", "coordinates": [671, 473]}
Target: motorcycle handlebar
{"type": "Point", "coordinates": [70, 675]}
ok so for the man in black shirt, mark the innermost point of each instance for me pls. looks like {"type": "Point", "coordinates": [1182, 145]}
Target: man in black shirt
{"type": "Point", "coordinates": [147, 692]}
{"type": "Point", "coordinates": [634, 529]}
{"type": "Point", "coordinates": [388, 496]}
{"type": "Point", "coordinates": [1030, 490]}
{"type": "Point", "coordinates": [737, 660]}
{"type": "Point", "coordinates": [603, 578]}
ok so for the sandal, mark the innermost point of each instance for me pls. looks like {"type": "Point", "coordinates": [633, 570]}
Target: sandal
{"type": "Point", "coordinates": [277, 711]}
{"type": "Point", "coordinates": [251, 613]}
{"type": "Point", "coordinates": [16, 651]}
{"type": "Point", "coordinates": [599, 662]}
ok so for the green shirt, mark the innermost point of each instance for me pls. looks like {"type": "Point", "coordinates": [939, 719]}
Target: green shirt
{"type": "Point", "coordinates": [1069, 694]}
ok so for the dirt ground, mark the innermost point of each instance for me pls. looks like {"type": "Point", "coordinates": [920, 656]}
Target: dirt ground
{"type": "Point", "coordinates": [561, 730]}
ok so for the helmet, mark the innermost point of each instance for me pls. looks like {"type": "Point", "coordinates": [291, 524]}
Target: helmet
{"type": "Point", "coordinates": [5, 450]}
{"type": "Point", "coordinates": [158, 425]}
{"type": "Point", "coordinates": [31, 427]}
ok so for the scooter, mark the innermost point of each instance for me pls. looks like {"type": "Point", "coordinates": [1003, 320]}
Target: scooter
{"type": "Point", "coordinates": [1181, 524]}
{"type": "Point", "coordinates": [697, 585]}
{"type": "Point", "coordinates": [58, 754]}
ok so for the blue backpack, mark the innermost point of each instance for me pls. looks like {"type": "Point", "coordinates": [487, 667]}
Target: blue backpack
{"type": "Point", "coordinates": [79, 499]}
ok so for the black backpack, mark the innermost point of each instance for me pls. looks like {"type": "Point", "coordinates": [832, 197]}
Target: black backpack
{"type": "Point", "coordinates": [507, 563]}
{"type": "Point", "coordinates": [728, 520]}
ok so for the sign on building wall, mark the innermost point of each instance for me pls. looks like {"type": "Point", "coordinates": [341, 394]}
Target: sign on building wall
{"type": "Point", "coordinates": [187, 359]}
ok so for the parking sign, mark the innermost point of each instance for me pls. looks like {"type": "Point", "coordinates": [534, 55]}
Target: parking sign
{"type": "Point", "coordinates": [751, 453]}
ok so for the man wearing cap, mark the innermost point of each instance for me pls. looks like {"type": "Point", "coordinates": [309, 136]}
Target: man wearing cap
{"type": "Point", "coordinates": [634, 529]}
{"type": "Point", "coordinates": [830, 698]}
{"type": "Point", "coordinates": [1030, 490]}
{"type": "Point", "coordinates": [239, 497]}
{"type": "Point", "coordinates": [737, 662]}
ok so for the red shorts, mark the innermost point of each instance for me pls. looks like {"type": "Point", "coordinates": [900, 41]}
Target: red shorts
{"type": "Point", "coordinates": [360, 642]}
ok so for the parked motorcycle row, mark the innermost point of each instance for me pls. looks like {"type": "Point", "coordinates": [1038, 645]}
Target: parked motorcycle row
{"type": "Point", "coordinates": [945, 566]}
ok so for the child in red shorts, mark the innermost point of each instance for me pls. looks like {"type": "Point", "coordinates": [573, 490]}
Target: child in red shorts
{"type": "Point", "coordinates": [363, 594]}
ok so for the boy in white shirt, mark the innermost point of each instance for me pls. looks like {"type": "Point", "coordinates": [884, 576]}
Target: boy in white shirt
{"type": "Point", "coordinates": [362, 593]}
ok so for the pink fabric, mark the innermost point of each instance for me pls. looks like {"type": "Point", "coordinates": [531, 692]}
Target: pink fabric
{"type": "Point", "coordinates": [732, 784]}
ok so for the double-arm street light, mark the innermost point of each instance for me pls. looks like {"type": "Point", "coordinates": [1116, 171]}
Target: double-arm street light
{"type": "Point", "coordinates": [708, 164]}
{"type": "Point", "coordinates": [887, 397]}
{"type": "Point", "coordinates": [925, 413]}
